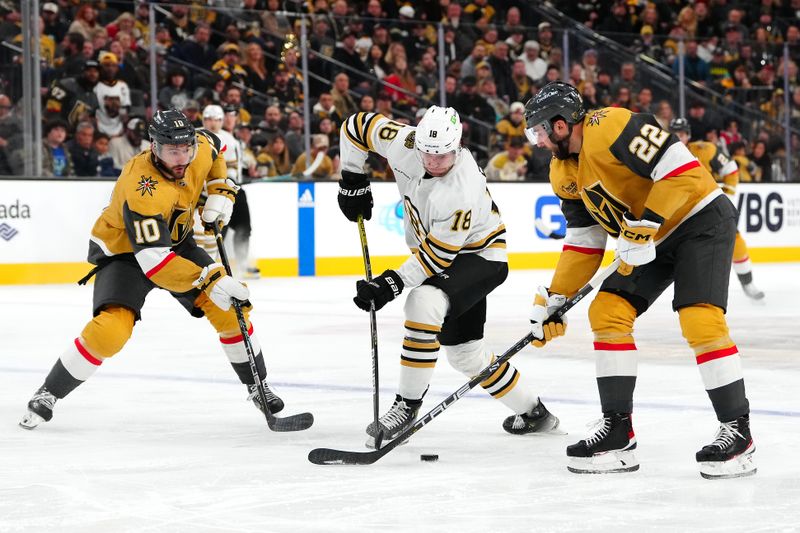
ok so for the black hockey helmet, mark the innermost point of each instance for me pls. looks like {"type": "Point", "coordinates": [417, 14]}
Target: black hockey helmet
{"type": "Point", "coordinates": [171, 127]}
{"type": "Point", "coordinates": [680, 124]}
{"type": "Point", "coordinates": [557, 99]}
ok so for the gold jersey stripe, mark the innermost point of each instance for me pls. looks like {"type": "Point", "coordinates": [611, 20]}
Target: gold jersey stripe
{"type": "Point", "coordinates": [368, 127]}
{"type": "Point", "coordinates": [440, 261]}
{"type": "Point", "coordinates": [418, 364]}
{"type": "Point", "coordinates": [419, 326]}
{"type": "Point", "coordinates": [482, 243]}
{"type": "Point", "coordinates": [428, 270]}
{"type": "Point", "coordinates": [443, 245]}
{"type": "Point", "coordinates": [353, 140]}
{"type": "Point", "coordinates": [508, 388]}
{"type": "Point", "coordinates": [421, 346]}
{"type": "Point", "coordinates": [496, 376]}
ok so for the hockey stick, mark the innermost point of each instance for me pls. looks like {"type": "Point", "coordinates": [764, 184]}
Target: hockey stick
{"type": "Point", "coordinates": [297, 422]}
{"type": "Point", "coordinates": [545, 230]}
{"type": "Point", "coordinates": [373, 328]}
{"type": "Point", "coordinates": [327, 456]}
{"type": "Point", "coordinates": [300, 175]}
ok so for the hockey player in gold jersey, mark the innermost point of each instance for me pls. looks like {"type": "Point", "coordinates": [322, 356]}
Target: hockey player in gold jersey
{"type": "Point", "coordinates": [726, 171]}
{"type": "Point", "coordinates": [618, 173]}
{"type": "Point", "coordinates": [141, 241]}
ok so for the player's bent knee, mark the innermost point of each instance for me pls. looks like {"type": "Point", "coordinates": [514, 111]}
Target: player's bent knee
{"type": "Point", "coordinates": [225, 322]}
{"type": "Point", "coordinates": [468, 358]}
{"type": "Point", "coordinates": [426, 304]}
{"type": "Point", "coordinates": [704, 325]}
{"type": "Point", "coordinates": [108, 332]}
{"type": "Point", "coordinates": [611, 315]}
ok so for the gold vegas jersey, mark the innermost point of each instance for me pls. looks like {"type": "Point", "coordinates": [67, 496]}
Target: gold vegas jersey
{"type": "Point", "coordinates": [627, 163]}
{"type": "Point", "coordinates": [443, 216]}
{"type": "Point", "coordinates": [722, 168]}
{"type": "Point", "coordinates": [149, 214]}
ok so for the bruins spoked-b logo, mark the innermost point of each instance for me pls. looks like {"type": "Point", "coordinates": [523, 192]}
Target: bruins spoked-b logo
{"type": "Point", "coordinates": [147, 185]}
{"type": "Point", "coordinates": [604, 207]}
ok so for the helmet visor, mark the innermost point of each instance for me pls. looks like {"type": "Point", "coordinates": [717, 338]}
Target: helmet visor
{"type": "Point", "coordinates": [175, 155]}
{"type": "Point", "coordinates": [538, 132]}
{"type": "Point", "coordinates": [438, 164]}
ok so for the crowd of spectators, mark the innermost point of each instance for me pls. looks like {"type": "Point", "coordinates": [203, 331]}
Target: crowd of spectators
{"type": "Point", "coordinates": [381, 56]}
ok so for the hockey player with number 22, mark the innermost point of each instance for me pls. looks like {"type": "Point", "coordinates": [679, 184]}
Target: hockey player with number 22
{"type": "Point", "coordinates": [143, 240]}
{"type": "Point", "coordinates": [618, 173]}
{"type": "Point", "coordinates": [456, 236]}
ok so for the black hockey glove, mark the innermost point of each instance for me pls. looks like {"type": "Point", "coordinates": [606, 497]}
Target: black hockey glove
{"type": "Point", "coordinates": [381, 290]}
{"type": "Point", "coordinates": [355, 196]}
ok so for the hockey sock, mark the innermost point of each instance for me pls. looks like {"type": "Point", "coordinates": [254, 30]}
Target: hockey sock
{"type": "Point", "coordinates": [75, 366]}
{"type": "Point", "coordinates": [235, 349]}
{"type": "Point", "coordinates": [612, 320]}
{"type": "Point", "coordinates": [418, 359]}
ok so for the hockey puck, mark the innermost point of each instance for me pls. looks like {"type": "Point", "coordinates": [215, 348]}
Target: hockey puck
{"type": "Point", "coordinates": [429, 458]}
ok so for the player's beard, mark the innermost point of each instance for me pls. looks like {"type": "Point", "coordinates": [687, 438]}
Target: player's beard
{"type": "Point", "coordinates": [561, 150]}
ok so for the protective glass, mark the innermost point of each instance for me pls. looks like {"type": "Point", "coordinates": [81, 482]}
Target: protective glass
{"type": "Point", "coordinates": [438, 163]}
{"type": "Point", "coordinates": [176, 155]}
{"type": "Point", "coordinates": [538, 132]}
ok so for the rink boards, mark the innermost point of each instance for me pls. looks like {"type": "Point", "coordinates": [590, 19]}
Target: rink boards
{"type": "Point", "coordinates": [299, 230]}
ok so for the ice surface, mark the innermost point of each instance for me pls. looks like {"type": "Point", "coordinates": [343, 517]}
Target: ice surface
{"type": "Point", "coordinates": [161, 438]}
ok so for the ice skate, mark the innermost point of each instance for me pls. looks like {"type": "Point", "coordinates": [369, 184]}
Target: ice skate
{"type": "Point", "coordinates": [752, 291]}
{"type": "Point", "coordinates": [608, 450]}
{"type": "Point", "coordinates": [397, 419]}
{"type": "Point", "coordinates": [731, 453]}
{"type": "Point", "coordinates": [273, 401]}
{"type": "Point", "coordinates": [40, 409]}
{"type": "Point", "coordinates": [251, 273]}
{"type": "Point", "coordinates": [538, 421]}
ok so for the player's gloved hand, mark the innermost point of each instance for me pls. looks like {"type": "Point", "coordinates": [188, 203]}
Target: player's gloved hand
{"type": "Point", "coordinates": [220, 287]}
{"type": "Point", "coordinates": [381, 290]}
{"type": "Point", "coordinates": [355, 196]}
{"type": "Point", "coordinates": [219, 205]}
{"type": "Point", "coordinates": [636, 243]}
{"type": "Point", "coordinates": [543, 328]}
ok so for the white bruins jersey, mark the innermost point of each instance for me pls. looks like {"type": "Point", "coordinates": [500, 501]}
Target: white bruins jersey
{"type": "Point", "coordinates": [443, 216]}
{"type": "Point", "coordinates": [233, 155]}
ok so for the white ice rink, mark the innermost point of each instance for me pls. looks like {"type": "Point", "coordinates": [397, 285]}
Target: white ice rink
{"type": "Point", "coordinates": [161, 439]}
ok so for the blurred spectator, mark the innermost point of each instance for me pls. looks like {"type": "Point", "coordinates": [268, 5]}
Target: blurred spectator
{"type": "Point", "coordinates": [71, 62]}
{"type": "Point", "coordinates": [469, 65]}
{"type": "Point", "coordinates": [125, 22]}
{"type": "Point", "coordinates": [321, 39]}
{"type": "Point", "coordinates": [516, 43]}
{"type": "Point", "coordinates": [417, 42]}
{"type": "Point", "coordinates": [342, 100]}
{"type": "Point", "coordinates": [589, 95]}
{"type": "Point", "coordinates": [53, 25]}
{"type": "Point", "coordinates": [375, 64]}
{"type": "Point", "coordinates": [174, 93]}
{"type": "Point", "coordinates": [346, 53]}
{"type": "Point", "coordinates": [544, 36]}
{"type": "Point", "coordinates": [192, 112]}
{"type": "Point", "coordinates": [618, 25]}
{"type": "Point", "coordinates": [105, 161]}
{"type": "Point", "coordinates": [648, 45]}
{"type": "Point", "coordinates": [664, 114]}
{"type": "Point", "coordinates": [489, 38]}
{"type": "Point", "coordinates": [719, 75]}
{"type": "Point", "coordinates": [428, 76]}
{"type": "Point", "coordinates": [8, 128]}
{"type": "Point", "coordinates": [272, 125]}
{"type": "Point", "coordinates": [319, 144]}
{"type": "Point", "coordinates": [627, 78]}
{"type": "Point", "coordinates": [488, 90]}
{"type": "Point", "coordinates": [244, 135]}
{"type": "Point", "coordinates": [603, 87]}
{"type": "Point", "coordinates": [748, 171]}
{"type": "Point", "coordinates": [113, 97]}
{"type": "Point", "coordinates": [383, 105]}
{"type": "Point", "coordinates": [731, 134]}
{"type": "Point", "coordinates": [589, 65]}
{"type": "Point", "coordinates": [762, 160]}
{"type": "Point", "coordinates": [295, 138]}
{"type": "Point", "coordinates": [232, 96]}
{"type": "Point", "coordinates": [509, 165]}
{"type": "Point", "coordinates": [82, 152]}
{"type": "Point", "coordinates": [327, 128]}
{"type": "Point", "coordinates": [470, 104]}
{"type": "Point", "coordinates": [699, 123]}
{"type": "Point", "coordinates": [181, 28]}
{"type": "Point", "coordinates": [257, 77]}
{"type": "Point", "coordinates": [622, 98]}
{"type": "Point", "coordinates": [535, 66]}
{"type": "Point", "coordinates": [523, 85]}
{"type": "Point", "coordinates": [85, 21]}
{"type": "Point", "coordinates": [511, 125]}
{"type": "Point", "coordinates": [694, 68]}
{"type": "Point", "coordinates": [74, 99]}
{"type": "Point", "coordinates": [287, 92]}
{"type": "Point", "coordinates": [479, 10]}
{"type": "Point", "coordinates": [56, 159]}
{"type": "Point", "coordinates": [197, 49]}
{"type": "Point", "coordinates": [124, 147]}
{"type": "Point", "coordinates": [401, 82]}
{"type": "Point", "coordinates": [501, 70]}
{"type": "Point", "coordinates": [228, 68]}
{"type": "Point", "coordinates": [372, 17]}
{"type": "Point", "coordinates": [325, 108]}
{"type": "Point", "coordinates": [553, 73]}
{"type": "Point", "coordinates": [643, 102]}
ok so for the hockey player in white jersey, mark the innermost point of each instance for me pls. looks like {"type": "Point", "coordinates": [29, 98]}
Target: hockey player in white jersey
{"type": "Point", "coordinates": [457, 240]}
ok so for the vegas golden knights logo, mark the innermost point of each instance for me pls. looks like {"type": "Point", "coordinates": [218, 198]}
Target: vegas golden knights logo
{"type": "Point", "coordinates": [180, 224]}
{"type": "Point", "coordinates": [604, 207]}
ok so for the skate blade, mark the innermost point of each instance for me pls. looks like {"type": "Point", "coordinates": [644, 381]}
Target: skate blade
{"type": "Point", "coordinates": [740, 466]}
{"type": "Point", "coordinates": [604, 463]}
{"type": "Point", "coordinates": [30, 420]}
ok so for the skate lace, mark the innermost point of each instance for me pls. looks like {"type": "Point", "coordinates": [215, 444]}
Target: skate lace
{"type": "Point", "coordinates": [396, 416]}
{"type": "Point", "coordinates": [600, 429]}
{"type": "Point", "coordinates": [45, 397]}
{"type": "Point", "coordinates": [518, 423]}
{"type": "Point", "coordinates": [726, 435]}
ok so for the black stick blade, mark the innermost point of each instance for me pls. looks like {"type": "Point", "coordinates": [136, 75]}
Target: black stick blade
{"type": "Point", "coordinates": [327, 456]}
{"type": "Point", "coordinates": [297, 422]}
